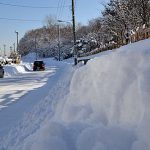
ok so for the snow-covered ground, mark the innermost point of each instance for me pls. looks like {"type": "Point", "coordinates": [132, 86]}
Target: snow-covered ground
{"type": "Point", "coordinates": [103, 105]}
{"type": "Point", "coordinates": [21, 89]}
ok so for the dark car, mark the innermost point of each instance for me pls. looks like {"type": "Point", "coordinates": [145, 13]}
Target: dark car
{"type": "Point", "coordinates": [38, 65]}
{"type": "Point", "coordinates": [1, 71]}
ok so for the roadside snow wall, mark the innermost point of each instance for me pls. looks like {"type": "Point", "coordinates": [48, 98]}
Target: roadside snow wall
{"type": "Point", "coordinates": [112, 95]}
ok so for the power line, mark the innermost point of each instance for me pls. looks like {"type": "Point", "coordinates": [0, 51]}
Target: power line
{"type": "Point", "coordinates": [27, 6]}
{"type": "Point", "coordinates": [62, 9]}
{"type": "Point", "coordinates": [57, 11]}
{"type": "Point", "coordinates": [59, 7]}
{"type": "Point", "coordinates": [22, 20]}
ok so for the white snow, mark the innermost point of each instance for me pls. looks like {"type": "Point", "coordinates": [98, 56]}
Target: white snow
{"type": "Point", "coordinates": [103, 105]}
{"type": "Point", "coordinates": [11, 70]}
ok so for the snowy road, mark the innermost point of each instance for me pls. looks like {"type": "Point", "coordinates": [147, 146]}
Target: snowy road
{"type": "Point", "coordinates": [20, 93]}
{"type": "Point", "coordinates": [13, 88]}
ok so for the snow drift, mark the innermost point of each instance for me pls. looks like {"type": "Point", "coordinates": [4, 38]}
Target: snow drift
{"type": "Point", "coordinates": [103, 106]}
{"type": "Point", "coordinates": [113, 91]}
{"type": "Point", "coordinates": [13, 69]}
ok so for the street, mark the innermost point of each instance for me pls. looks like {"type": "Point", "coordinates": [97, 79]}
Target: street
{"type": "Point", "coordinates": [20, 93]}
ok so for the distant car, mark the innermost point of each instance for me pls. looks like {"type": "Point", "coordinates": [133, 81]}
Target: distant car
{"type": "Point", "coordinates": [1, 71]}
{"type": "Point", "coordinates": [38, 65]}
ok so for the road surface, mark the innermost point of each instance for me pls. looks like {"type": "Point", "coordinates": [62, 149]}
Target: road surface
{"type": "Point", "coordinates": [20, 93]}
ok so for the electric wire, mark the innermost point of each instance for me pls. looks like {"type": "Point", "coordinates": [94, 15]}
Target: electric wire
{"type": "Point", "coordinates": [57, 11]}
{"type": "Point", "coordinates": [61, 9]}
{"type": "Point", "coordinates": [22, 20]}
{"type": "Point", "coordinates": [27, 6]}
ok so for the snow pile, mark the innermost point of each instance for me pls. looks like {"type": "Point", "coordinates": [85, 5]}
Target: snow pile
{"type": "Point", "coordinates": [11, 70]}
{"type": "Point", "coordinates": [29, 57]}
{"type": "Point", "coordinates": [113, 92]}
{"type": "Point", "coordinates": [103, 106]}
{"type": "Point", "coordinates": [23, 67]}
{"type": "Point", "coordinates": [27, 66]}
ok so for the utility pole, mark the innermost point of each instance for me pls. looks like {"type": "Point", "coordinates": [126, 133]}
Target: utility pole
{"type": "Point", "coordinates": [58, 42]}
{"type": "Point", "coordinates": [14, 47]}
{"type": "Point", "coordinates": [4, 50]}
{"type": "Point", "coordinates": [0, 51]}
{"type": "Point", "coordinates": [74, 34]}
{"type": "Point", "coordinates": [17, 39]}
{"type": "Point", "coordinates": [35, 47]}
{"type": "Point", "coordinates": [59, 35]}
{"type": "Point", "coordinates": [10, 49]}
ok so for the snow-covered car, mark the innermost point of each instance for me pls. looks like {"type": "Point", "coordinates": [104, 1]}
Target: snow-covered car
{"type": "Point", "coordinates": [1, 71]}
{"type": "Point", "coordinates": [38, 65]}
{"type": "Point", "coordinates": [8, 60]}
{"type": "Point", "coordinates": [2, 60]}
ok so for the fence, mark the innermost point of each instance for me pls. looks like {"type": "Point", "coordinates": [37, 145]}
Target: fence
{"type": "Point", "coordinates": [141, 34]}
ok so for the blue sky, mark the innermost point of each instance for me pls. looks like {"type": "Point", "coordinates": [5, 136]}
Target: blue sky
{"type": "Point", "coordinates": [84, 11]}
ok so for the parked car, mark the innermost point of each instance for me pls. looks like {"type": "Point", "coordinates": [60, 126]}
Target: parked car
{"type": "Point", "coordinates": [1, 71]}
{"type": "Point", "coordinates": [2, 60]}
{"type": "Point", "coordinates": [38, 65]}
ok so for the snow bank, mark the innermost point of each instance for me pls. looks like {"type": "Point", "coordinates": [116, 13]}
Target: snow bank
{"type": "Point", "coordinates": [28, 66]}
{"type": "Point", "coordinates": [29, 58]}
{"type": "Point", "coordinates": [14, 69]}
{"type": "Point", "coordinates": [11, 70]}
{"type": "Point", "coordinates": [104, 106]}
{"type": "Point", "coordinates": [114, 91]}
